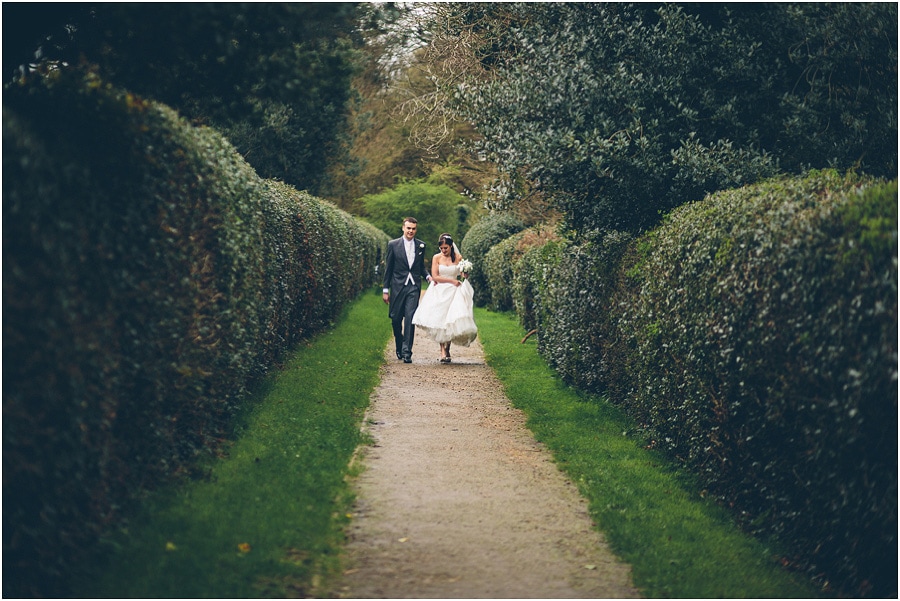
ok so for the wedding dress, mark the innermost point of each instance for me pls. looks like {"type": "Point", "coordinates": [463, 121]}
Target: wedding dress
{"type": "Point", "coordinates": [445, 311]}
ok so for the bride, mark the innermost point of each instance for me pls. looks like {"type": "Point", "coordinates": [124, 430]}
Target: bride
{"type": "Point", "coordinates": [445, 312]}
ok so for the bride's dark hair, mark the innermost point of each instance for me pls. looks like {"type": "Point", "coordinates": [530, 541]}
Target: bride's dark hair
{"type": "Point", "coordinates": [448, 240]}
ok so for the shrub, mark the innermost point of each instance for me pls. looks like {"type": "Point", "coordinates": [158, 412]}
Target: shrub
{"type": "Point", "coordinates": [478, 241]}
{"type": "Point", "coordinates": [317, 253]}
{"type": "Point", "coordinates": [438, 208]}
{"type": "Point", "coordinates": [756, 340]}
{"type": "Point", "coordinates": [501, 260]}
{"type": "Point", "coordinates": [575, 308]}
{"type": "Point", "coordinates": [141, 297]}
{"type": "Point", "coordinates": [498, 268]}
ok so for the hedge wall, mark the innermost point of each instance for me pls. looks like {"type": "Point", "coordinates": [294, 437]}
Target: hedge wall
{"type": "Point", "coordinates": [149, 276]}
{"type": "Point", "coordinates": [754, 337]}
{"type": "Point", "coordinates": [759, 343]}
{"type": "Point", "coordinates": [500, 261]}
{"type": "Point", "coordinates": [478, 241]}
{"type": "Point", "coordinates": [574, 317]}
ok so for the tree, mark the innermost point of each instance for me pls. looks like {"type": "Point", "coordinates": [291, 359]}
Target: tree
{"type": "Point", "coordinates": [275, 77]}
{"type": "Point", "coordinates": [390, 139]}
{"type": "Point", "coordinates": [436, 206]}
{"type": "Point", "coordinates": [622, 112]}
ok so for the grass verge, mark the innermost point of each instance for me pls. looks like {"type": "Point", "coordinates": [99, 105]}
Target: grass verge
{"type": "Point", "coordinates": [268, 519]}
{"type": "Point", "coordinates": [678, 544]}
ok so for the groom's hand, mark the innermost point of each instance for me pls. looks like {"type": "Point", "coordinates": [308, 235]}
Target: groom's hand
{"type": "Point", "coordinates": [386, 297]}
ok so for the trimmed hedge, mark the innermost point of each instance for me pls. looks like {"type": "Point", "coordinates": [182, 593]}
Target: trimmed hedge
{"type": "Point", "coordinates": [487, 232]}
{"type": "Point", "coordinates": [574, 316]}
{"type": "Point", "coordinates": [149, 277]}
{"type": "Point", "coordinates": [759, 345]}
{"type": "Point", "coordinates": [754, 337]}
{"type": "Point", "coordinates": [501, 259]}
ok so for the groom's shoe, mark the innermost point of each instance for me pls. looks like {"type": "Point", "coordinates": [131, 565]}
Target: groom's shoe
{"type": "Point", "coordinates": [399, 356]}
{"type": "Point", "coordinates": [407, 359]}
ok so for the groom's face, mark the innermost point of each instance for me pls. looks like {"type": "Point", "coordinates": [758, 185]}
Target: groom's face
{"type": "Point", "coordinates": [409, 230]}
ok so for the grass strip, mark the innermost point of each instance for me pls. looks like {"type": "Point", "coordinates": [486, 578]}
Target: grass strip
{"type": "Point", "coordinates": [678, 543]}
{"type": "Point", "coordinates": [268, 520]}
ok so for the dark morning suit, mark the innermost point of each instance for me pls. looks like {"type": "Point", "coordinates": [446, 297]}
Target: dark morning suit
{"type": "Point", "coordinates": [405, 285]}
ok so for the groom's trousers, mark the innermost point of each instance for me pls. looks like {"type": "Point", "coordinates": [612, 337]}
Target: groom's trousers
{"type": "Point", "coordinates": [404, 331]}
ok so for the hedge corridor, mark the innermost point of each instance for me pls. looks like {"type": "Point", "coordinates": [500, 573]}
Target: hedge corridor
{"type": "Point", "coordinates": [753, 337]}
{"type": "Point", "coordinates": [150, 277]}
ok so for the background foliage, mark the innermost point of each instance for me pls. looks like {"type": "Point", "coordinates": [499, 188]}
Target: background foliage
{"type": "Point", "coordinates": [273, 77]}
{"type": "Point", "coordinates": [437, 207]}
{"type": "Point", "coordinates": [384, 146]}
{"type": "Point", "coordinates": [624, 111]}
{"type": "Point", "coordinates": [149, 277]}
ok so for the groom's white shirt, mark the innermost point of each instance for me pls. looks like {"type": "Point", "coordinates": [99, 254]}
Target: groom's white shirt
{"type": "Point", "coordinates": [410, 258]}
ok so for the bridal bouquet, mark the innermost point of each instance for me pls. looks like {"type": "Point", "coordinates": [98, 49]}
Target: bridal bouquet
{"type": "Point", "coordinates": [465, 266]}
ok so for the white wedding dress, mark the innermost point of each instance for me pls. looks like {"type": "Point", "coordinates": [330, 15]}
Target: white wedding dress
{"type": "Point", "coordinates": [445, 311]}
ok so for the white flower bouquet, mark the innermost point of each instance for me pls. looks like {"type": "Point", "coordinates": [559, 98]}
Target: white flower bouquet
{"type": "Point", "coordinates": [465, 266]}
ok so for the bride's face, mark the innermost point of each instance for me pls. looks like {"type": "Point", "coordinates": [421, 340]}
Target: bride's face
{"type": "Point", "coordinates": [445, 249]}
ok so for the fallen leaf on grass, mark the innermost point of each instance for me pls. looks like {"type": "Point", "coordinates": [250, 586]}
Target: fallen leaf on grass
{"type": "Point", "coordinates": [402, 540]}
{"type": "Point", "coordinates": [590, 567]}
{"type": "Point", "coordinates": [244, 547]}
{"type": "Point", "coordinates": [297, 556]}
{"type": "Point", "coordinates": [170, 546]}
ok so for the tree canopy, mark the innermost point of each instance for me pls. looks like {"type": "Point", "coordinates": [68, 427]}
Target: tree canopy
{"type": "Point", "coordinates": [624, 111]}
{"type": "Point", "coordinates": [437, 207]}
{"type": "Point", "coordinates": [274, 77]}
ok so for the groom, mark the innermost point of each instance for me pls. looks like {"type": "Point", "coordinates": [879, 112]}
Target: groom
{"type": "Point", "coordinates": [403, 275]}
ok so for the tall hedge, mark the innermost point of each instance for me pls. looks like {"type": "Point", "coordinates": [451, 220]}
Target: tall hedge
{"type": "Point", "coordinates": [574, 314]}
{"type": "Point", "coordinates": [479, 240]}
{"type": "Point", "coordinates": [149, 277]}
{"type": "Point", "coordinates": [758, 341]}
{"type": "Point", "coordinates": [500, 261]}
{"type": "Point", "coordinates": [532, 281]}
{"type": "Point", "coordinates": [753, 336]}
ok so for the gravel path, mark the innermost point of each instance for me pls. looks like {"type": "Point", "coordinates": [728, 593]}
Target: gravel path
{"type": "Point", "coordinates": [457, 500]}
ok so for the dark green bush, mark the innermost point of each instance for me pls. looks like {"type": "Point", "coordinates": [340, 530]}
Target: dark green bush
{"type": "Point", "coordinates": [497, 266]}
{"type": "Point", "coordinates": [531, 275]}
{"type": "Point", "coordinates": [478, 241]}
{"type": "Point", "coordinates": [757, 342]}
{"type": "Point", "coordinates": [619, 112]}
{"type": "Point", "coordinates": [501, 260]}
{"type": "Point", "coordinates": [574, 308]}
{"type": "Point", "coordinates": [142, 295]}
{"type": "Point", "coordinates": [317, 253]}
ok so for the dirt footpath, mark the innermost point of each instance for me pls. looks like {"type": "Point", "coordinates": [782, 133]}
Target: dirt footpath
{"type": "Point", "coordinates": [457, 500]}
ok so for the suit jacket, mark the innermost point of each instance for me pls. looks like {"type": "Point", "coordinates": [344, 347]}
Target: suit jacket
{"type": "Point", "coordinates": [396, 267]}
